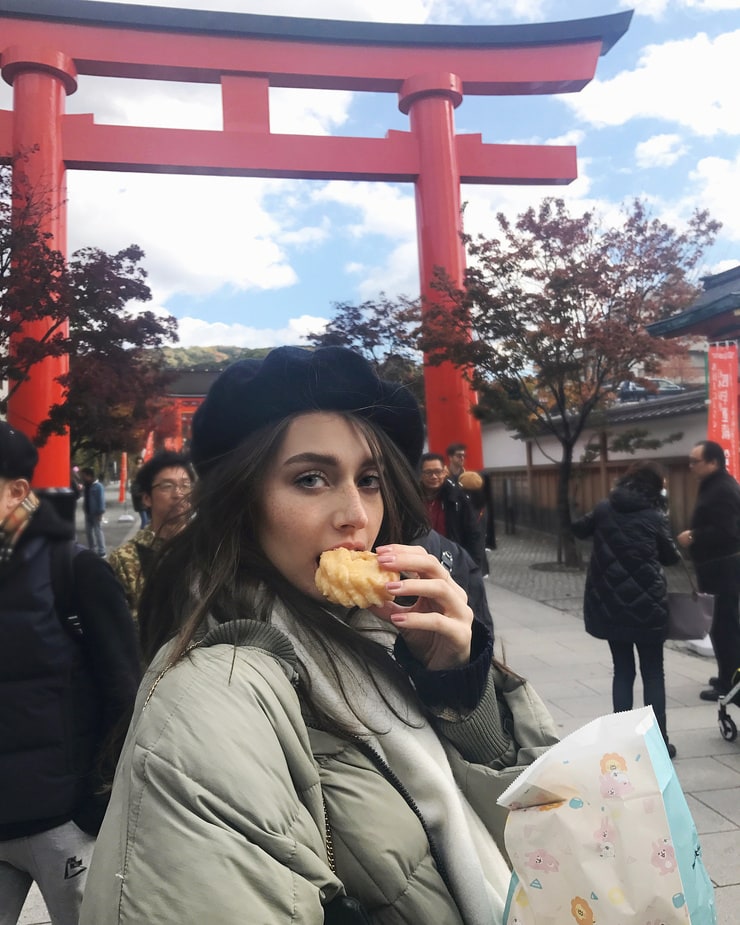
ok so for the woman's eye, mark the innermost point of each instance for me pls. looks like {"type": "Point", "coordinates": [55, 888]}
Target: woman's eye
{"type": "Point", "coordinates": [372, 480]}
{"type": "Point", "coordinates": [310, 480]}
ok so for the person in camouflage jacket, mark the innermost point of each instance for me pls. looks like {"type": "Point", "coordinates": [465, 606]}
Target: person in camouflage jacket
{"type": "Point", "coordinates": [165, 482]}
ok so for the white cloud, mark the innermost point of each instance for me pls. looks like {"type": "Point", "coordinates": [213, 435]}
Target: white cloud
{"type": "Point", "coordinates": [195, 332]}
{"type": "Point", "coordinates": [398, 275]}
{"type": "Point", "coordinates": [198, 233]}
{"type": "Point", "coordinates": [308, 112]}
{"type": "Point", "coordinates": [665, 86]}
{"type": "Point", "coordinates": [574, 136]}
{"type": "Point", "coordinates": [656, 8]}
{"type": "Point", "coordinates": [163, 104]}
{"type": "Point", "coordinates": [383, 209]}
{"type": "Point", "coordinates": [413, 11]}
{"type": "Point", "coordinates": [491, 11]}
{"type": "Point", "coordinates": [369, 10]}
{"type": "Point", "coordinates": [717, 181]}
{"type": "Point", "coordinates": [659, 151]}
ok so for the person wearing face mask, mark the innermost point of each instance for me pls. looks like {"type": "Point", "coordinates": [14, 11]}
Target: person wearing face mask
{"type": "Point", "coordinates": [291, 759]}
{"type": "Point", "coordinates": [64, 687]}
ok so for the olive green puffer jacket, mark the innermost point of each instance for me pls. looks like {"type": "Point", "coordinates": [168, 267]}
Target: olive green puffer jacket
{"type": "Point", "coordinates": [217, 812]}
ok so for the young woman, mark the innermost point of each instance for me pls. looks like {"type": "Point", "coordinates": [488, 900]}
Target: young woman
{"type": "Point", "coordinates": [286, 751]}
{"type": "Point", "coordinates": [625, 599]}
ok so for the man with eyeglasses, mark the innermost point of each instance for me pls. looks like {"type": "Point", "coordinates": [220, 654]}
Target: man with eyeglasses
{"type": "Point", "coordinates": [450, 512]}
{"type": "Point", "coordinates": [165, 482]}
{"type": "Point", "coordinates": [713, 542]}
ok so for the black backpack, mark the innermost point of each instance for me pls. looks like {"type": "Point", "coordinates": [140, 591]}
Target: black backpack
{"type": "Point", "coordinates": [62, 556]}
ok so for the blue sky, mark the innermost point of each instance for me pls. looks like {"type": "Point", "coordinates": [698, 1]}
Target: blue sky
{"type": "Point", "coordinates": [256, 263]}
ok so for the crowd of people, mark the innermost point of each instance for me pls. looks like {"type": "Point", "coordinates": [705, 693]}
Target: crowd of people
{"type": "Point", "coordinates": [338, 762]}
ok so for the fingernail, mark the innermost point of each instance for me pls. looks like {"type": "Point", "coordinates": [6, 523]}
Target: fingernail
{"type": "Point", "coordinates": [393, 586]}
{"type": "Point", "coordinates": [398, 619]}
{"type": "Point", "coordinates": [386, 559]}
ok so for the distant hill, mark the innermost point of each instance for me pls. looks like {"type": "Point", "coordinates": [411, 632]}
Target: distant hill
{"type": "Point", "coordinates": [208, 358]}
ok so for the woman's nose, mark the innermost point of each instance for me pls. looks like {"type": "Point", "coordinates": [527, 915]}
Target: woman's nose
{"type": "Point", "coordinates": [351, 510]}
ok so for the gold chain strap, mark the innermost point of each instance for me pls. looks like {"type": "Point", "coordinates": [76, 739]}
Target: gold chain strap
{"type": "Point", "coordinates": [329, 840]}
{"type": "Point", "coordinates": [164, 671]}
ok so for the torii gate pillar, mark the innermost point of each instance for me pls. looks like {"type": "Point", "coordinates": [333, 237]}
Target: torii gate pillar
{"type": "Point", "coordinates": [430, 101]}
{"type": "Point", "coordinates": [41, 79]}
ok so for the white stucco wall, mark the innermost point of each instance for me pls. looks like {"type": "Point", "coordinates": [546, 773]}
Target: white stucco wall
{"type": "Point", "coordinates": [501, 449]}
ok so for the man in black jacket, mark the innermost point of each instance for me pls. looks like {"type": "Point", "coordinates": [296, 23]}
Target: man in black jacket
{"type": "Point", "coordinates": [450, 512]}
{"type": "Point", "coordinates": [63, 690]}
{"type": "Point", "coordinates": [713, 542]}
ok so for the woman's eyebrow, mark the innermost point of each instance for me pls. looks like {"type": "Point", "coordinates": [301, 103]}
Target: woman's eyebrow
{"type": "Point", "coordinates": [319, 459]}
{"type": "Point", "coordinates": [322, 459]}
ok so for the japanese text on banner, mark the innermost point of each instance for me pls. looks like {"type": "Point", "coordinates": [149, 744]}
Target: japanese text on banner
{"type": "Point", "coordinates": [723, 411]}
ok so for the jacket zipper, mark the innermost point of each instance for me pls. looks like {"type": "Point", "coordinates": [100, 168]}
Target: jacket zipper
{"type": "Point", "coordinates": [391, 777]}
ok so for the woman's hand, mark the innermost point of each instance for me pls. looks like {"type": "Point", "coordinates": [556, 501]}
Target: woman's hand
{"type": "Point", "coordinates": [438, 627]}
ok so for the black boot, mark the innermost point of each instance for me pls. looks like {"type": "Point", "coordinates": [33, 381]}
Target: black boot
{"type": "Point", "coordinates": [664, 732]}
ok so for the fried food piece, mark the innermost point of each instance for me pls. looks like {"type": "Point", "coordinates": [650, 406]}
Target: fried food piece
{"type": "Point", "coordinates": [353, 578]}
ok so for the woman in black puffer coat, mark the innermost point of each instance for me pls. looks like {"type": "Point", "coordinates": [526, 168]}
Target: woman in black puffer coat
{"type": "Point", "coordinates": [625, 600]}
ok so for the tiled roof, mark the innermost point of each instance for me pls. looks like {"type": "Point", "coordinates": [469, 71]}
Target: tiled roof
{"type": "Point", "coordinates": [692, 401]}
{"type": "Point", "coordinates": [713, 311]}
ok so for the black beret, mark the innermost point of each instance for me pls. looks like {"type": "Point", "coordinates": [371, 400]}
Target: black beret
{"type": "Point", "coordinates": [252, 393]}
{"type": "Point", "coordinates": [18, 456]}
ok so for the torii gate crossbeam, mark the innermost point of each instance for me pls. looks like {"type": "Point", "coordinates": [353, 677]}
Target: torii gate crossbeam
{"type": "Point", "coordinates": [46, 44]}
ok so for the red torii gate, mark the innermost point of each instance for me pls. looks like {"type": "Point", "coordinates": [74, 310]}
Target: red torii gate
{"type": "Point", "coordinates": [46, 44]}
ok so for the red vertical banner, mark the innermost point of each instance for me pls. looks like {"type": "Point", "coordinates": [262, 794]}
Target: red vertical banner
{"type": "Point", "coordinates": [723, 411]}
{"type": "Point", "coordinates": [124, 478]}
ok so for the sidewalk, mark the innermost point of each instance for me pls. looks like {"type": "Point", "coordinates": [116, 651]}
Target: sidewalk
{"type": "Point", "coordinates": [539, 630]}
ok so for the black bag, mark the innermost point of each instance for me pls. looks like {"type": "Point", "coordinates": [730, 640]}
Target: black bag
{"type": "Point", "coordinates": [689, 614]}
{"type": "Point", "coordinates": [345, 910]}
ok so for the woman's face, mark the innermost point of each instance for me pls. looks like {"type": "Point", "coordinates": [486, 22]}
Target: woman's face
{"type": "Point", "coordinates": [322, 492]}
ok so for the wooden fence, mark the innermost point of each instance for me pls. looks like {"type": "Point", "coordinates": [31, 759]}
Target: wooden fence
{"type": "Point", "coordinates": [527, 497]}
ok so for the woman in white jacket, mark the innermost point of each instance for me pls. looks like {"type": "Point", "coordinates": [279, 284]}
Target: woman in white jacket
{"type": "Point", "coordinates": [287, 753]}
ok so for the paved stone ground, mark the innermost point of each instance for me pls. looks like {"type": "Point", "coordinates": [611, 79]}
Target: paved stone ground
{"type": "Point", "coordinates": [538, 618]}
{"type": "Point", "coordinates": [526, 562]}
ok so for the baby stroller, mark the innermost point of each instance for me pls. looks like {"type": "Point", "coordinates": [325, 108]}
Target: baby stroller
{"type": "Point", "coordinates": [727, 724]}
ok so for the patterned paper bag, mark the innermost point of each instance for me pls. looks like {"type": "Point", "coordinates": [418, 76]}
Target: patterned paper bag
{"type": "Point", "coordinates": [599, 833]}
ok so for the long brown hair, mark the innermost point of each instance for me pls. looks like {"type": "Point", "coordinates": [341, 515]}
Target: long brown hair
{"type": "Point", "coordinates": [214, 566]}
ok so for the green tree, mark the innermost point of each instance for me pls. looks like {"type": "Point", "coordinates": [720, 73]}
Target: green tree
{"type": "Point", "coordinates": [552, 315]}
